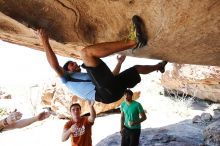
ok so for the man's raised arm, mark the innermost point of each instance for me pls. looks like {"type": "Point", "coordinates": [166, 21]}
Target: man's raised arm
{"type": "Point", "coordinates": [26, 122]}
{"type": "Point", "coordinates": [51, 57]}
{"type": "Point", "coordinates": [117, 68]}
{"type": "Point", "coordinates": [92, 116]}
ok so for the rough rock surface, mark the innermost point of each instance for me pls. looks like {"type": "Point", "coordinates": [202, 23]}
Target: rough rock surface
{"type": "Point", "coordinates": [210, 125]}
{"type": "Point", "coordinates": [202, 132]}
{"type": "Point", "coordinates": [198, 81]}
{"type": "Point", "coordinates": [59, 99]}
{"type": "Point", "coordinates": [212, 134]}
{"type": "Point", "coordinates": [216, 113]}
{"type": "Point", "coordinates": [180, 134]}
{"type": "Point", "coordinates": [178, 31]}
{"type": "Point", "coordinates": [197, 119]}
{"type": "Point", "coordinates": [206, 117]}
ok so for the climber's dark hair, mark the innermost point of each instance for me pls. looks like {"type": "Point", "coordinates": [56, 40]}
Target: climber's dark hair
{"type": "Point", "coordinates": [65, 66]}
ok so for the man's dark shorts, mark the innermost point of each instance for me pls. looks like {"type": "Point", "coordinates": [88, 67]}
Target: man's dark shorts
{"type": "Point", "coordinates": [110, 88]}
{"type": "Point", "coordinates": [130, 137]}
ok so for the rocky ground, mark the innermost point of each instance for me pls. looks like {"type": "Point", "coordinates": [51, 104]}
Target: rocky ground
{"type": "Point", "coordinates": [180, 134]}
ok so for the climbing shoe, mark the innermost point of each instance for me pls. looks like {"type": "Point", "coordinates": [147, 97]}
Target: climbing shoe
{"type": "Point", "coordinates": [137, 32]}
{"type": "Point", "coordinates": [162, 65]}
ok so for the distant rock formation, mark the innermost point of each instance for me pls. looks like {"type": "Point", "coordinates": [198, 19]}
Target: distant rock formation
{"type": "Point", "coordinates": [178, 31]}
{"type": "Point", "coordinates": [198, 81]}
{"type": "Point", "coordinates": [4, 95]}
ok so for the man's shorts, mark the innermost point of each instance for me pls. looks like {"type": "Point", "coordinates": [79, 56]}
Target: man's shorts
{"type": "Point", "coordinates": [110, 88]}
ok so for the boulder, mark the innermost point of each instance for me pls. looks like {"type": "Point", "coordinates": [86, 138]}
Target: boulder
{"type": "Point", "coordinates": [212, 134]}
{"type": "Point", "coordinates": [178, 31]}
{"type": "Point", "coordinates": [197, 119]}
{"type": "Point", "coordinates": [216, 114]}
{"type": "Point", "coordinates": [206, 117]}
{"type": "Point", "coordinates": [179, 134]}
{"type": "Point", "coordinates": [195, 80]}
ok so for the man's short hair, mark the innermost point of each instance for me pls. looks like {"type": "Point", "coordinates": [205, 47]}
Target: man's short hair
{"type": "Point", "coordinates": [75, 104]}
{"type": "Point", "coordinates": [65, 66]}
{"type": "Point", "coordinates": [129, 92]}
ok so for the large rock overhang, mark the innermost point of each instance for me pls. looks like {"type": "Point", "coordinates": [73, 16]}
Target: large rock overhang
{"type": "Point", "coordinates": [185, 32]}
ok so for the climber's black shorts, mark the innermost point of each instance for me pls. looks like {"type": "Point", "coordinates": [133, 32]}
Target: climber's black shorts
{"type": "Point", "coordinates": [110, 88]}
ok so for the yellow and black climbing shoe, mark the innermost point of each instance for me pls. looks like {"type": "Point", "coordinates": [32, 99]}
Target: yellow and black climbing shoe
{"type": "Point", "coordinates": [137, 32]}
